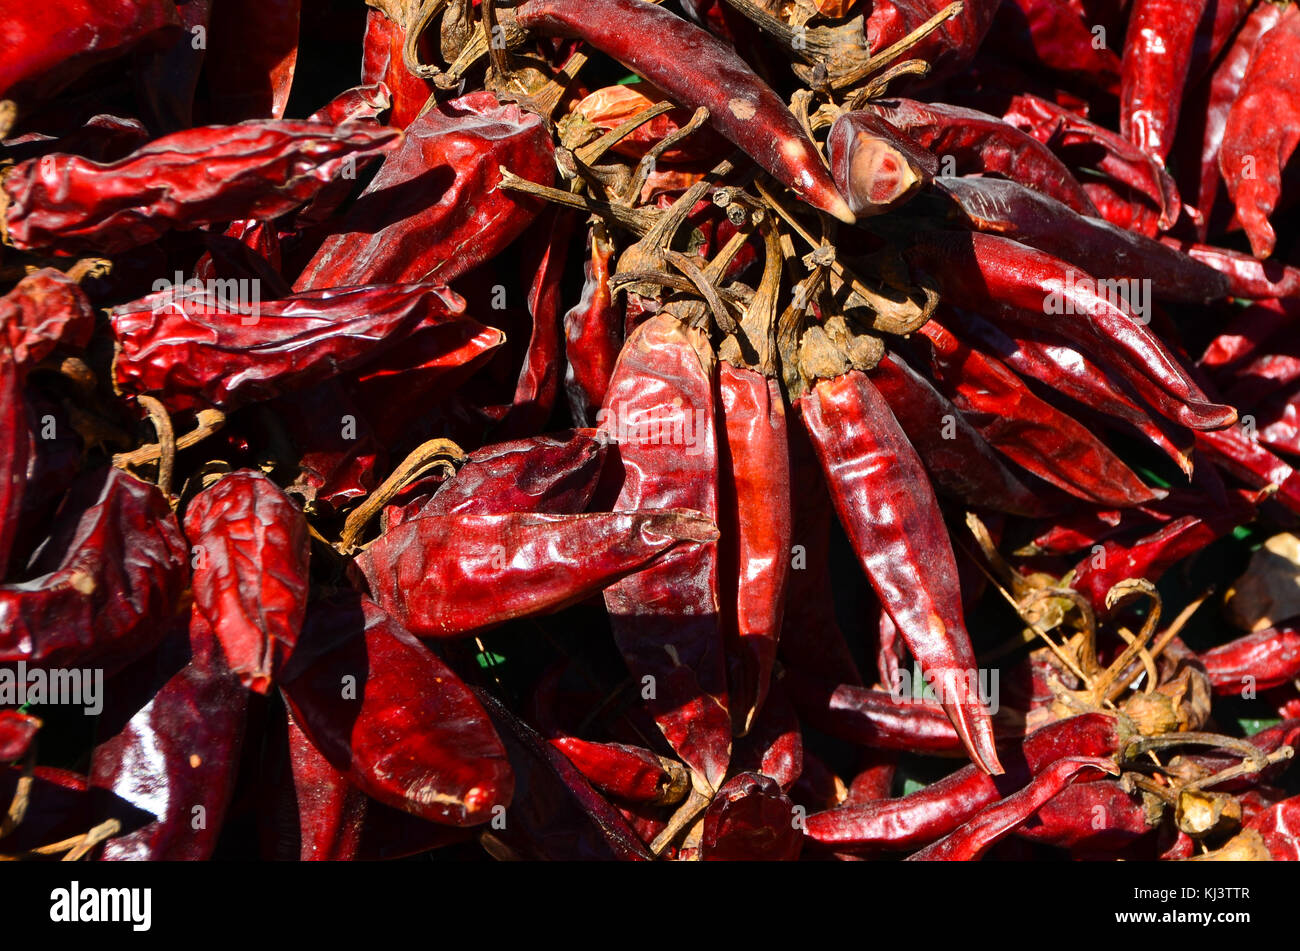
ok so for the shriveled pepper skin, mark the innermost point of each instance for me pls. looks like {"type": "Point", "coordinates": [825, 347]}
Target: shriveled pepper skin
{"type": "Point", "coordinates": [70, 205]}
{"type": "Point", "coordinates": [1157, 56]}
{"type": "Point", "coordinates": [696, 69]}
{"type": "Point", "coordinates": [390, 714]}
{"type": "Point", "coordinates": [1262, 130]}
{"type": "Point", "coordinates": [661, 408]}
{"type": "Point", "coordinates": [456, 575]}
{"type": "Point", "coordinates": [382, 62]}
{"type": "Point", "coordinates": [433, 211]}
{"type": "Point", "coordinates": [593, 331]}
{"type": "Point", "coordinates": [890, 514]}
{"type": "Point", "coordinates": [105, 583]}
{"type": "Point", "coordinates": [997, 821]}
{"type": "Point", "coordinates": [750, 819]}
{"type": "Point", "coordinates": [178, 750]}
{"type": "Point", "coordinates": [1263, 659]}
{"type": "Point", "coordinates": [756, 520]}
{"type": "Point", "coordinates": [251, 555]}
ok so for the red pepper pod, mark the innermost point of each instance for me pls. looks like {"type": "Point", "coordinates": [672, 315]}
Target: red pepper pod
{"type": "Point", "coordinates": [958, 458]}
{"type": "Point", "coordinates": [1279, 826]}
{"type": "Point", "coordinates": [628, 773]}
{"type": "Point", "coordinates": [978, 143]}
{"type": "Point", "coordinates": [46, 309]}
{"type": "Point", "coordinates": [177, 751]}
{"type": "Point", "coordinates": [876, 167]}
{"type": "Point", "coordinates": [1246, 459]}
{"type": "Point", "coordinates": [1097, 817]}
{"type": "Point", "coordinates": [593, 331]}
{"type": "Point", "coordinates": [1058, 36]}
{"type": "Point", "coordinates": [104, 585]}
{"type": "Point", "coordinates": [1158, 50]}
{"type": "Point", "coordinates": [1264, 659]}
{"type": "Point", "coordinates": [948, 48]}
{"type": "Point", "coordinates": [194, 348]}
{"type": "Point", "coordinates": [1000, 276]}
{"type": "Point", "coordinates": [933, 812]}
{"type": "Point", "coordinates": [1247, 277]}
{"type": "Point", "coordinates": [555, 473]}
{"type": "Point", "coordinates": [750, 820]}
{"type": "Point", "coordinates": [774, 744]}
{"type": "Point", "coordinates": [69, 205]}
{"type": "Point", "coordinates": [388, 713]}
{"type": "Point", "coordinates": [450, 576]}
{"type": "Point", "coordinates": [16, 453]}
{"type": "Point", "coordinates": [1098, 247]}
{"type": "Point", "coordinates": [661, 409]}
{"type": "Point", "coordinates": [889, 512]}
{"type": "Point", "coordinates": [1027, 430]}
{"type": "Point", "coordinates": [1262, 131]}
{"type": "Point", "coordinates": [756, 522]}
{"type": "Point", "coordinates": [250, 554]}
{"type": "Point", "coordinates": [382, 62]}
{"type": "Point", "coordinates": [996, 822]}
{"type": "Point", "coordinates": [47, 46]}
{"type": "Point", "coordinates": [17, 731]}
{"type": "Point", "coordinates": [434, 210]}
{"type": "Point", "coordinates": [696, 69]}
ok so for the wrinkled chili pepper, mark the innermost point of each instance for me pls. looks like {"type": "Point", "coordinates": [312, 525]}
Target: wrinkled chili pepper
{"type": "Point", "coordinates": [1263, 659]}
{"type": "Point", "coordinates": [1157, 57]}
{"type": "Point", "coordinates": [741, 106]}
{"type": "Point", "coordinates": [878, 485]}
{"type": "Point", "coordinates": [593, 331]}
{"type": "Point", "coordinates": [875, 166]}
{"type": "Point", "coordinates": [750, 819]}
{"type": "Point", "coordinates": [250, 579]}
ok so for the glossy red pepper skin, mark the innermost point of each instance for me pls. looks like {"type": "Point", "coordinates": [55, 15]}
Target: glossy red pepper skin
{"type": "Point", "coordinates": [929, 814]}
{"type": "Point", "coordinates": [755, 515]}
{"type": "Point", "coordinates": [774, 744]}
{"type": "Point", "coordinates": [1058, 36]}
{"type": "Point", "coordinates": [1246, 459]}
{"type": "Point", "coordinates": [979, 143]}
{"type": "Point", "coordinates": [1260, 133]}
{"type": "Point", "coordinates": [1026, 429]}
{"type": "Point", "coordinates": [750, 819]}
{"type": "Point", "coordinates": [433, 212]}
{"type": "Point", "coordinates": [696, 70]}
{"type": "Point", "coordinates": [103, 586]}
{"type": "Point", "coordinates": [69, 205]}
{"type": "Point", "coordinates": [1158, 51]}
{"type": "Point", "coordinates": [555, 815]}
{"type": "Point", "coordinates": [876, 167]}
{"type": "Point", "coordinates": [1089, 818]}
{"type": "Point", "coordinates": [1279, 826]}
{"type": "Point", "coordinates": [948, 48]}
{"type": "Point", "coordinates": [949, 445]}
{"type": "Point", "coordinates": [408, 732]}
{"type": "Point", "coordinates": [1098, 247]}
{"type": "Point", "coordinates": [661, 407]}
{"type": "Point", "coordinates": [382, 61]}
{"type": "Point", "coordinates": [593, 331]}
{"type": "Point", "coordinates": [997, 821]}
{"type": "Point", "coordinates": [54, 44]}
{"type": "Point", "coordinates": [183, 715]}
{"type": "Point", "coordinates": [1264, 659]}
{"type": "Point", "coordinates": [252, 55]}
{"type": "Point", "coordinates": [250, 555]}
{"type": "Point", "coordinates": [995, 275]}
{"type": "Point", "coordinates": [882, 496]}
{"type": "Point", "coordinates": [194, 350]}
{"type": "Point", "coordinates": [1247, 277]}
{"type": "Point", "coordinates": [627, 773]}
{"type": "Point", "coordinates": [447, 576]}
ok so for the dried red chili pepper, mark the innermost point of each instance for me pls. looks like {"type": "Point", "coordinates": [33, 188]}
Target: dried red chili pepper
{"type": "Point", "coordinates": [611, 106]}
{"type": "Point", "coordinates": [890, 515]}
{"type": "Point", "coordinates": [1090, 818]}
{"type": "Point", "coordinates": [1247, 276]}
{"type": "Point", "coordinates": [382, 61]}
{"type": "Point", "coordinates": [1245, 334]}
{"type": "Point", "coordinates": [750, 819]}
{"type": "Point", "coordinates": [434, 210]}
{"type": "Point", "coordinates": [457, 575]}
{"type": "Point", "coordinates": [195, 349]}
{"type": "Point", "coordinates": [774, 744]}
{"type": "Point", "coordinates": [103, 586]}
{"type": "Point", "coordinates": [183, 714]}
{"type": "Point", "coordinates": [997, 821]}
{"type": "Point", "coordinates": [947, 48]}
{"type": "Point", "coordinates": [1058, 36]}
{"type": "Point", "coordinates": [1027, 430]}
{"type": "Point", "coordinates": [1279, 826]}
{"type": "Point", "coordinates": [650, 41]}
{"type": "Point", "coordinates": [17, 731]}
{"type": "Point", "coordinates": [1263, 659]}
{"type": "Point", "coordinates": [628, 773]}
{"type": "Point", "coordinates": [45, 310]}
{"type": "Point", "coordinates": [875, 778]}
{"type": "Point", "coordinates": [250, 557]}
{"type": "Point", "coordinates": [50, 46]}
{"type": "Point", "coordinates": [1157, 57]}
{"type": "Point", "coordinates": [660, 408]}
{"type": "Point", "coordinates": [999, 276]}
{"type": "Point", "coordinates": [957, 457]}
{"type": "Point", "coordinates": [593, 331]}
{"type": "Point", "coordinates": [393, 717]}
{"type": "Point", "coordinates": [933, 812]}
{"type": "Point", "coordinates": [1260, 132]}
{"type": "Point", "coordinates": [68, 205]}
{"type": "Point", "coordinates": [1252, 463]}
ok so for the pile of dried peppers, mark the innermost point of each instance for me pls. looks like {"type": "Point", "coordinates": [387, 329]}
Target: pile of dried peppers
{"type": "Point", "coordinates": [607, 429]}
